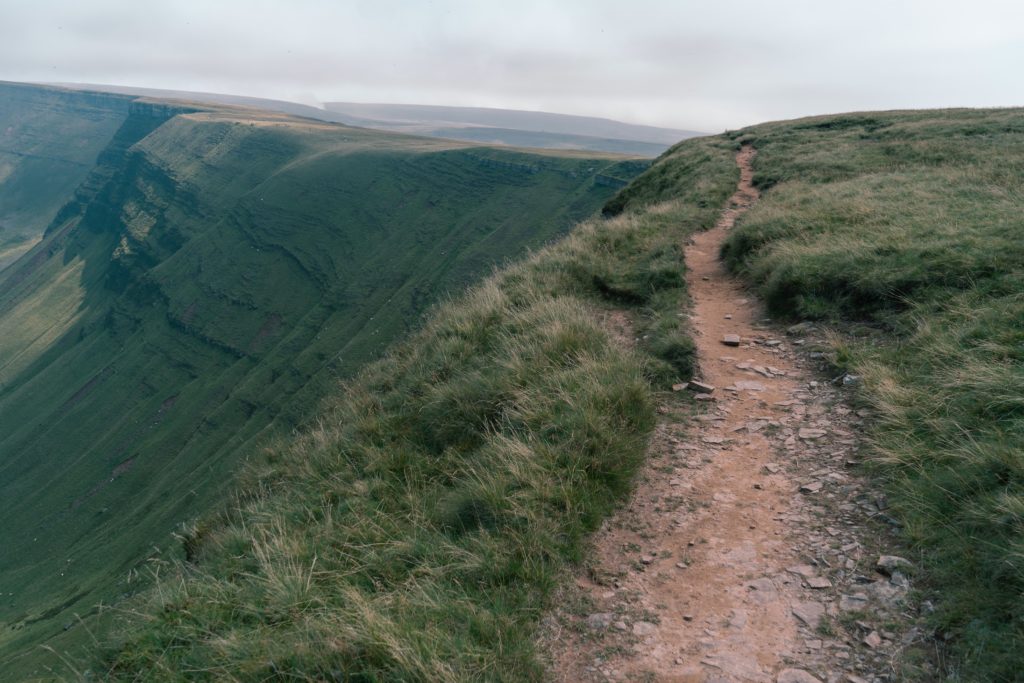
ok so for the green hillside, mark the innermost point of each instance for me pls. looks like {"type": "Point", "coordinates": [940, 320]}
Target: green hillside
{"type": "Point", "coordinates": [417, 531]}
{"type": "Point", "coordinates": [49, 140]}
{"type": "Point", "coordinates": [213, 275]}
{"type": "Point", "coordinates": [907, 230]}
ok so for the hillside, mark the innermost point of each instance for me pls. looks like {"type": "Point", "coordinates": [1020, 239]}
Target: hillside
{"type": "Point", "coordinates": [418, 529]}
{"type": "Point", "coordinates": [49, 139]}
{"type": "Point", "coordinates": [421, 529]}
{"type": "Point", "coordinates": [213, 276]}
{"type": "Point", "coordinates": [905, 230]}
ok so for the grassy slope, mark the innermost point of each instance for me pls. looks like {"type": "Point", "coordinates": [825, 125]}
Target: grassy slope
{"type": "Point", "coordinates": [49, 139]}
{"type": "Point", "coordinates": [212, 278]}
{"type": "Point", "coordinates": [416, 530]}
{"type": "Point", "coordinates": [912, 222]}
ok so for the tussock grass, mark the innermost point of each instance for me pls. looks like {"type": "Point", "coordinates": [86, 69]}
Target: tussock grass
{"type": "Point", "coordinates": [912, 222]}
{"type": "Point", "coordinates": [417, 528]}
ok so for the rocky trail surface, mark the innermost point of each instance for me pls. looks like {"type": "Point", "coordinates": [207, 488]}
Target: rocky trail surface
{"type": "Point", "coordinates": [751, 549]}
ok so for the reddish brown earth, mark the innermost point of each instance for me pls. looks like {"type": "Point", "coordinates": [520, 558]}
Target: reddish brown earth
{"type": "Point", "coordinates": [748, 550]}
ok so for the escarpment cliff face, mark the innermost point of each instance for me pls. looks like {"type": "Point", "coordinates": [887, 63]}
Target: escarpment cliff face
{"type": "Point", "coordinates": [211, 277]}
{"type": "Point", "coordinates": [49, 141]}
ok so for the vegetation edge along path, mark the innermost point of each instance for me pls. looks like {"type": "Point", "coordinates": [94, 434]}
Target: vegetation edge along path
{"type": "Point", "coordinates": [747, 552]}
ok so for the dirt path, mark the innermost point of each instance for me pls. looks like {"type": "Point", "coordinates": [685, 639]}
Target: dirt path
{"type": "Point", "coordinates": [747, 552]}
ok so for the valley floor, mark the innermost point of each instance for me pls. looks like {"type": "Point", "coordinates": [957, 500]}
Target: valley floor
{"type": "Point", "coordinates": [751, 548]}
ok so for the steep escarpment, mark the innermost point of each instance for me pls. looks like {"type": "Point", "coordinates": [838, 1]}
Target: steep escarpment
{"type": "Point", "coordinates": [418, 528]}
{"type": "Point", "coordinates": [49, 141]}
{"type": "Point", "coordinates": [209, 280]}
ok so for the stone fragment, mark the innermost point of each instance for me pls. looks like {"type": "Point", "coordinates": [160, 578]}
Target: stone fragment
{"type": "Point", "coordinates": [810, 613]}
{"type": "Point", "coordinates": [811, 487]}
{"type": "Point", "coordinates": [804, 570]}
{"type": "Point", "coordinates": [811, 434]}
{"type": "Point", "coordinates": [818, 582]}
{"type": "Point", "coordinates": [873, 640]}
{"type": "Point", "coordinates": [850, 603]}
{"type": "Point", "coordinates": [599, 621]}
{"type": "Point", "coordinates": [796, 676]}
{"type": "Point", "coordinates": [731, 340]}
{"type": "Point", "coordinates": [887, 564]}
{"type": "Point", "coordinates": [763, 584]}
{"type": "Point", "coordinates": [738, 619]}
{"type": "Point", "coordinates": [885, 592]}
{"type": "Point", "coordinates": [747, 385]}
{"type": "Point", "coordinates": [899, 580]}
{"type": "Point", "coordinates": [680, 386]}
{"type": "Point", "coordinates": [701, 387]}
{"type": "Point", "coordinates": [643, 628]}
{"type": "Point", "coordinates": [772, 468]}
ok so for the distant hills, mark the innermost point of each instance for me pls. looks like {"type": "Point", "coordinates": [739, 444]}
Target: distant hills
{"type": "Point", "coordinates": [507, 127]}
{"type": "Point", "coordinates": [516, 128]}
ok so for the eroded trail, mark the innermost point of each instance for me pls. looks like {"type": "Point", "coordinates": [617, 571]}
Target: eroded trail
{"type": "Point", "coordinates": [747, 552]}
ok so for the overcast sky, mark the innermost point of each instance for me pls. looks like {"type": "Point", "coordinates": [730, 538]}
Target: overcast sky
{"type": "Point", "coordinates": [704, 65]}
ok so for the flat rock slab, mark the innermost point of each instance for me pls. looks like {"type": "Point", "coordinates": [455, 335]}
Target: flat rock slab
{"type": "Point", "coordinates": [804, 570]}
{"type": "Point", "coordinates": [810, 613]}
{"type": "Point", "coordinates": [701, 387]}
{"type": "Point", "coordinates": [849, 603]}
{"type": "Point", "coordinates": [796, 676]}
{"type": "Point", "coordinates": [731, 340]}
{"type": "Point", "coordinates": [644, 628]}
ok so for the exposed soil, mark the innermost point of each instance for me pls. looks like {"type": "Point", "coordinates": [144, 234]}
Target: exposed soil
{"type": "Point", "coordinates": [748, 551]}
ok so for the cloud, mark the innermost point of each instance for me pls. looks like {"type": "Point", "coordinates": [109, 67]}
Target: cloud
{"type": "Point", "coordinates": [680, 63]}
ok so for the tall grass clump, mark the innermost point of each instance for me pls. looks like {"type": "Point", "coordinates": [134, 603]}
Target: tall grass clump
{"type": "Point", "coordinates": [913, 223]}
{"type": "Point", "coordinates": [416, 530]}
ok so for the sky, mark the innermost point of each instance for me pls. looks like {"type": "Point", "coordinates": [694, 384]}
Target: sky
{"type": "Point", "coordinates": [700, 65]}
